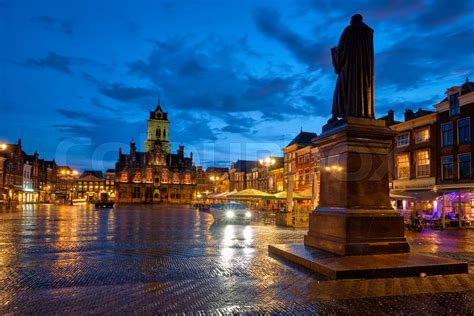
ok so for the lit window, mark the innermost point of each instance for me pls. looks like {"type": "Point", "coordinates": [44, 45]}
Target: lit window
{"type": "Point", "coordinates": [454, 104]}
{"type": "Point", "coordinates": [403, 140]}
{"type": "Point", "coordinates": [422, 135]}
{"type": "Point", "coordinates": [403, 166]}
{"type": "Point", "coordinates": [447, 167]}
{"type": "Point", "coordinates": [464, 164]}
{"type": "Point", "coordinates": [447, 134]}
{"type": "Point", "coordinates": [422, 163]}
{"type": "Point", "coordinates": [464, 131]}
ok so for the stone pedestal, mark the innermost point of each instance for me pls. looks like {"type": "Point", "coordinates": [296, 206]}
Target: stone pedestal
{"type": "Point", "coordinates": [354, 216]}
{"type": "Point", "coordinates": [354, 232]}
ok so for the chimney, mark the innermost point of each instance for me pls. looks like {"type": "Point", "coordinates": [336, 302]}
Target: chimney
{"type": "Point", "coordinates": [19, 142]}
{"type": "Point", "coordinates": [408, 114]}
{"type": "Point", "coordinates": [391, 116]}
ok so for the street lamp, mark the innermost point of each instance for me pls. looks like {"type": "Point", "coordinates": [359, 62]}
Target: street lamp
{"type": "Point", "coordinates": [213, 180]}
{"type": "Point", "coordinates": [267, 162]}
{"type": "Point", "coordinates": [3, 146]}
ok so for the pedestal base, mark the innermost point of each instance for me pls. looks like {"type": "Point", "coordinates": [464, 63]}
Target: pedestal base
{"type": "Point", "coordinates": [357, 232]}
{"type": "Point", "coordinates": [367, 267]}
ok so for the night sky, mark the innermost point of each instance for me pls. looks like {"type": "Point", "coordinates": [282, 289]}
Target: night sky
{"type": "Point", "coordinates": [238, 78]}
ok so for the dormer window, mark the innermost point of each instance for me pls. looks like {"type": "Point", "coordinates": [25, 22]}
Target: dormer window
{"type": "Point", "coordinates": [454, 104]}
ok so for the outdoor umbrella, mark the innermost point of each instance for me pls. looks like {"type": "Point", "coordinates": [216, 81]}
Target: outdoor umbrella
{"type": "Point", "coordinates": [283, 195]}
{"type": "Point", "coordinates": [249, 193]}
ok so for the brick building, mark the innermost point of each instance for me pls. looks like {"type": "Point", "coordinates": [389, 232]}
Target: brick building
{"type": "Point", "coordinates": [155, 175]}
{"type": "Point", "coordinates": [431, 160]}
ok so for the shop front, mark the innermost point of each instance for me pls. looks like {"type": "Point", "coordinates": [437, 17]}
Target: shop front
{"type": "Point", "coordinates": [439, 208]}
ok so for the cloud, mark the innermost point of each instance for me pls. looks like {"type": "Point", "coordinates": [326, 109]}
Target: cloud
{"type": "Point", "coordinates": [125, 93]}
{"type": "Point", "coordinates": [417, 60]}
{"type": "Point", "coordinates": [53, 61]}
{"type": "Point", "coordinates": [212, 74]}
{"type": "Point", "coordinates": [122, 92]}
{"type": "Point", "coordinates": [53, 24]}
{"type": "Point", "coordinates": [61, 63]}
{"type": "Point", "coordinates": [309, 52]}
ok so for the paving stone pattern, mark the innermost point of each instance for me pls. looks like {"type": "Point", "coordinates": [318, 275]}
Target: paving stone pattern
{"type": "Point", "coordinates": [156, 259]}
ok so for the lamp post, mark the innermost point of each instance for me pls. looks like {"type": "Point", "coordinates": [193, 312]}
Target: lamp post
{"type": "Point", "coordinates": [267, 162]}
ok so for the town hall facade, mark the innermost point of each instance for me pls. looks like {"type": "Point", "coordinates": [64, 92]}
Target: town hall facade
{"type": "Point", "coordinates": [155, 175]}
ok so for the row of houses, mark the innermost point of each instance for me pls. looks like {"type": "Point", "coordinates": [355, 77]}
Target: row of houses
{"type": "Point", "coordinates": [430, 162]}
{"type": "Point", "coordinates": [27, 178]}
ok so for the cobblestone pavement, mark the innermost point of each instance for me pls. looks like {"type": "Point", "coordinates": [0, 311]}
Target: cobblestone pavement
{"type": "Point", "coordinates": [152, 259]}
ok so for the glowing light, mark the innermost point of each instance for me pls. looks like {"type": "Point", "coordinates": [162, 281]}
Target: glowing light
{"type": "Point", "coordinates": [248, 214]}
{"type": "Point", "coordinates": [229, 214]}
{"type": "Point", "coordinates": [3, 146]}
{"type": "Point", "coordinates": [75, 172]}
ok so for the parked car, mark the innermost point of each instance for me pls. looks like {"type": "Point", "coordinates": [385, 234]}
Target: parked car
{"type": "Point", "coordinates": [231, 212]}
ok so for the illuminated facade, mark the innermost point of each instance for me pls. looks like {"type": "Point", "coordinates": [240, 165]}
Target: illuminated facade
{"type": "Point", "coordinates": [432, 167]}
{"type": "Point", "coordinates": [158, 130]}
{"type": "Point", "coordinates": [155, 175]}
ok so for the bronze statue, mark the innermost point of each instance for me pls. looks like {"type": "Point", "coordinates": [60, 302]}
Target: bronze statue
{"type": "Point", "coordinates": [353, 61]}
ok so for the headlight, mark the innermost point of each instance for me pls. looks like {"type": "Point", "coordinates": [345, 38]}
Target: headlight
{"type": "Point", "coordinates": [248, 214]}
{"type": "Point", "coordinates": [229, 214]}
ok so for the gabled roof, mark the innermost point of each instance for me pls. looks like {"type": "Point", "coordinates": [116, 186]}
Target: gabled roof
{"type": "Point", "coordinates": [217, 169]}
{"type": "Point", "coordinates": [245, 165]}
{"type": "Point", "coordinates": [94, 173]}
{"type": "Point", "coordinates": [303, 139]}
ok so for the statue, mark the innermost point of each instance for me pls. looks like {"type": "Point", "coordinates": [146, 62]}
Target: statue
{"type": "Point", "coordinates": [353, 61]}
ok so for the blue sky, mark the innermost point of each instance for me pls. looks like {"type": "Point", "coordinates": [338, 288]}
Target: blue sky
{"type": "Point", "coordinates": [239, 78]}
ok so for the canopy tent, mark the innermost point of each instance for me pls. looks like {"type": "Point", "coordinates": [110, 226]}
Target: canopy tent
{"type": "Point", "coordinates": [283, 195]}
{"type": "Point", "coordinates": [219, 196]}
{"type": "Point", "coordinates": [414, 195]}
{"type": "Point", "coordinates": [248, 193]}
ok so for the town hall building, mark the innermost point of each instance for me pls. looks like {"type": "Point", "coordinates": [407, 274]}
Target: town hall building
{"type": "Point", "coordinates": [155, 175]}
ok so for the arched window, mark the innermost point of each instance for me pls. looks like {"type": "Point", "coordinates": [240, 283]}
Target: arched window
{"type": "Point", "coordinates": [158, 132]}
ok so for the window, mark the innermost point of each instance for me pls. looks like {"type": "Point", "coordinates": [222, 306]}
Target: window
{"type": "Point", "coordinates": [464, 131]}
{"type": "Point", "coordinates": [403, 139]}
{"type": "Point", "coordinates": [403, 166]}
{"type": "Point", "coordinates": [454, 104]}
{"type": "Point", "coordinates": [464, 166]}
{"type": "Point", "coordinates": [300, 160]}
{"type": "Point", "coordinates": [422, 135]}
{"type": "Point", "coordinates": [447, 167]}
{"type": "Point", "coordinates": [136, 192]}
{"type": "Point", "coordinates": [447, 134]}
{"type": "Point", "coordinates": [422, 159]}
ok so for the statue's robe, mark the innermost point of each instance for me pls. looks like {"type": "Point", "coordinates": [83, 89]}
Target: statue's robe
{"type": "Point", "coordinates": [353, 61]}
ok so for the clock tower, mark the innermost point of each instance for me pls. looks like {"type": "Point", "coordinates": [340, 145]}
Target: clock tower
{"type": "Point", "coordinates": [158, 130]}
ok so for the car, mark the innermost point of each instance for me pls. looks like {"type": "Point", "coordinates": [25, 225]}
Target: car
{"type": "Point", "coordinates": [231, 212]}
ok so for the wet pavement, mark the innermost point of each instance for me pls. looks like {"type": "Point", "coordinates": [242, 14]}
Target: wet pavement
{"type": "Point", "coordinates": [155, 259]}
